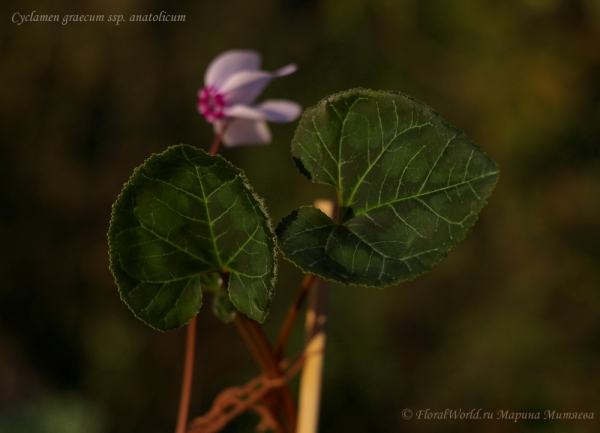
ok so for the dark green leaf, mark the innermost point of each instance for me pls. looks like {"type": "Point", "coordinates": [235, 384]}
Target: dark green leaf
{"type": "Point", "coordinates": [410, 187]}
{"type": "Point", "coordinates": [183, 215]}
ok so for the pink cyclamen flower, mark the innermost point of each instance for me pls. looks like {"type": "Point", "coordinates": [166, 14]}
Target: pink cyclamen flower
{"type": "Point", "coordinates": [232, 82]}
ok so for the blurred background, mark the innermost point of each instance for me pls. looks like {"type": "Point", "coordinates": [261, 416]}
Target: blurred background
{"type": "Point", "coordinates": [510, 320]}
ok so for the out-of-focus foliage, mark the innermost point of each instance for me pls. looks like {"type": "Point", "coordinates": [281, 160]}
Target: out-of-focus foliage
{"type": "Point", "coordinates": [509, 321]}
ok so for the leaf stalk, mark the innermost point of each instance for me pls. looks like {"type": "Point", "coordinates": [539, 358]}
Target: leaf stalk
{"type": "Point", "coordinates": [188, 372]}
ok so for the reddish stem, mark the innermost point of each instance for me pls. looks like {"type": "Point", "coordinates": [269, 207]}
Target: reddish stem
{"type": "Point", "coordinates": [188, 372]}
{"type": "Point", "coordinates": [242, 325]}
{"type": "Point", "coordinates": [260, 347]}
{"type": "Point", "coordinates": [290, 318]}
{"type": "Point", "coordinates": [214, 147]}
{"type": "Point", "coordinates": [188, 368]}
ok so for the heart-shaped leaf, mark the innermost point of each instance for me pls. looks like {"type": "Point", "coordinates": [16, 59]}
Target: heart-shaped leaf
{"type": "Point", "coordinates": [183, 215]}
{"type": "Point", "coordinates": [410, 187]}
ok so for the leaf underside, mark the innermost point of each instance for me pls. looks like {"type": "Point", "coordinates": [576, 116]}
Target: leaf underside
{"type": "Point", "coordinates": [410, 188]}
{"type": "Point", "coordinates": [182, 219]}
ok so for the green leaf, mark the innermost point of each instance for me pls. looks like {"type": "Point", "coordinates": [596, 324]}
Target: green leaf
{"type": "Point", "coordinates": [222, 307]}
{"type": "Point", "coordinates": [410, 188]}
{"type": "Point", "coordinates": [183, 215]}
{"type": "Point", "coordinates": [211, 281]}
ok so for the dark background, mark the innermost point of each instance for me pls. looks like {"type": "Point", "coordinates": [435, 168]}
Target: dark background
{"type": "Point", "coordinates": [509, 321]}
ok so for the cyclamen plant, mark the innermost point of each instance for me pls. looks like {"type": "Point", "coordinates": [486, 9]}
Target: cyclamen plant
{"type": "Point", "coordinates": [409, 188]}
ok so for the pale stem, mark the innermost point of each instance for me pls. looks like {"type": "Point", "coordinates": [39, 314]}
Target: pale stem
{"type": "Point", "coordinates": [309, 400]}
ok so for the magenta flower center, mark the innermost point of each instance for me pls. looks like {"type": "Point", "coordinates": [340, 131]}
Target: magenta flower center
{"type": "Point", "coordinates": [211, 103]}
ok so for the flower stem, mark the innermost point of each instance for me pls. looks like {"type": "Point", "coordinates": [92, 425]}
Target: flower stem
{"type": "Point", "coordinates": [216, 144]}
{"type": "Point", "coordinates": [188, 372]}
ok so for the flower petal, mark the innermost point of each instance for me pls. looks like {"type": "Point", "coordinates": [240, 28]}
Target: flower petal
{"type": "Point", "coordinates": [280, 110]}
{"type": "Point", "coordinates": [241, 111]}
{"type": "Point", "coordinates": [228, 63]}
{"type": "Point", "coordinates": [273, 110]}
{"type": "Point", "coordinates": [244, 87]}
{"type": "Point", "coordinates": [241, 132]}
